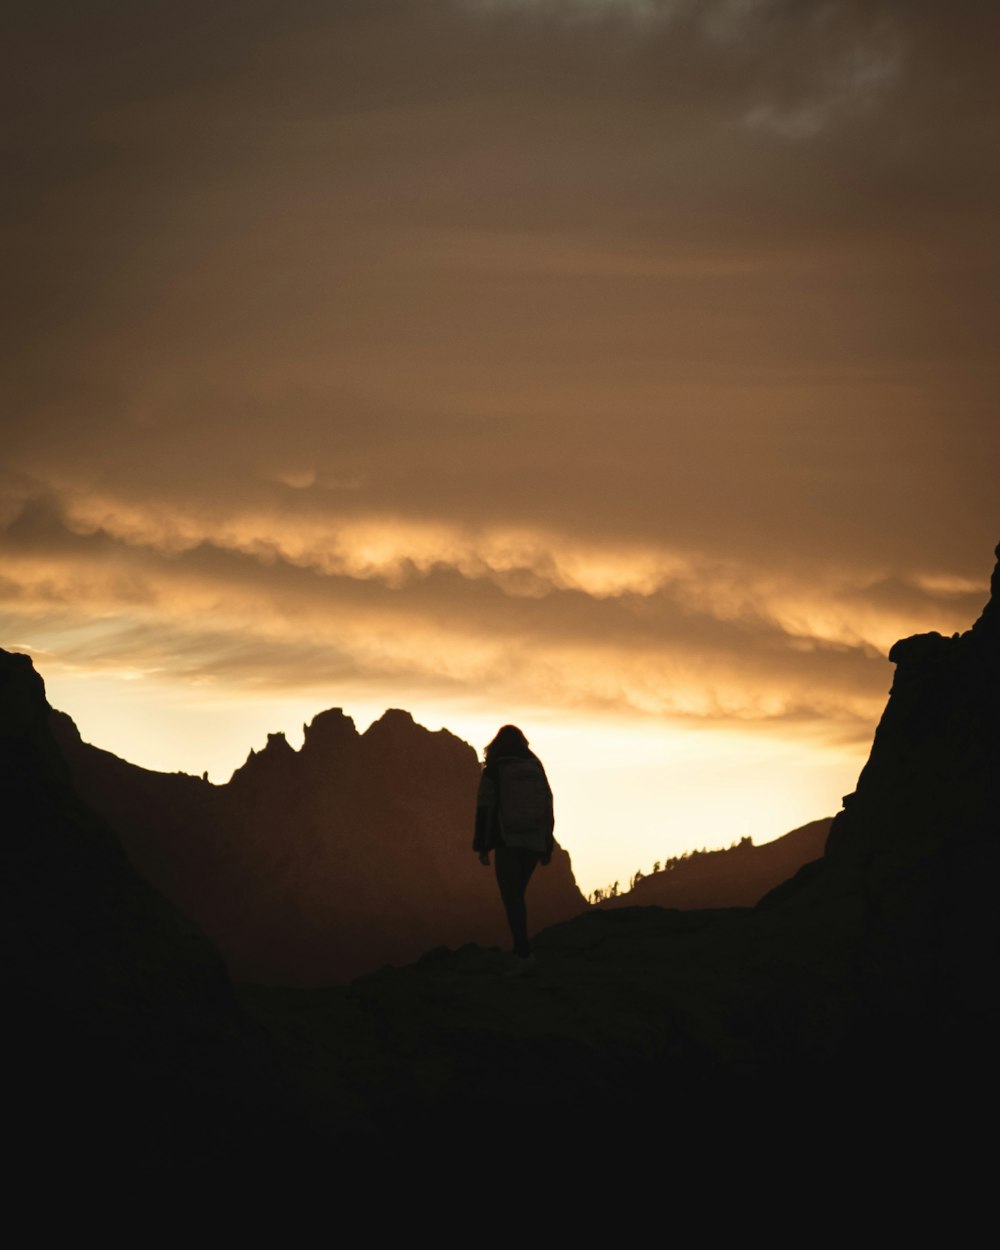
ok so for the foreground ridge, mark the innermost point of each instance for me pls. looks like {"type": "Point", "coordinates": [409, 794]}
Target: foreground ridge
{"type": "Point", "coordinates": [865, 980]}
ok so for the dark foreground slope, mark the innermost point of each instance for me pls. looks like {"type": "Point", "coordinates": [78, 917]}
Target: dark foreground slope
{"type": "Point", "coordinates": [313, 866]}
{"type": "Point", "coordinates": [852, 1011]}
{"type": "Point", "coordinates": [125, 1051]}
{"type": "Point", "coordinates": [862, 988]}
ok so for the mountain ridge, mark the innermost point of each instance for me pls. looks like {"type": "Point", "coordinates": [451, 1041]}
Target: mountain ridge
{"type": "Point", "coordinates": [316, 865]}
{"type": "Point", "coordinates": [851, 1010]}
{"type": "Point", "coordinates": [203, 844]}
{"type": "Point", "coordinates": [733, 876]}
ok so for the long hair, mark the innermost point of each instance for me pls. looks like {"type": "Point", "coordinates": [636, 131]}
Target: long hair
{"type": "Point", "coordinates": [509, 741]}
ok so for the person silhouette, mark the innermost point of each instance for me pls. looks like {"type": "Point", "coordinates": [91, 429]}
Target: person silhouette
{"type": "Point", "coordinates": [515, 820]}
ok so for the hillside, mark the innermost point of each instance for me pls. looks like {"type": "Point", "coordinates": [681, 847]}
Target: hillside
{"type": "Point", "coordinates": [851, 1009]}
{"type": "Point", "coordinates": [856, 993]}
{"type": "Point", "coordinates": [734, 876]}
{"type": "Point", "coordinates": [126, 1052]}
{"type": "Point", "coordinates": [316, 865]}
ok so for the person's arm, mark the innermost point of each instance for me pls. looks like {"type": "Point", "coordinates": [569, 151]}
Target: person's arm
{"type": "Point", "coordinates": [549, 837]}
{"type": "Point", "coordinates": [484, 816]}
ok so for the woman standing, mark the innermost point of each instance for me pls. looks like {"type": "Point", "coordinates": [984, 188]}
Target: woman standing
{"type": "Point", "coordinates": [514, 819]}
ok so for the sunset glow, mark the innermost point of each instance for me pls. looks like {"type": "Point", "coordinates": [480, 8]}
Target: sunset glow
{"type": "Point", "coordinates": [625, 371]}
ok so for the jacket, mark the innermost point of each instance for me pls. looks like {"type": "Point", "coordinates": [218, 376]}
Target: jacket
{"type": "Point", "coordinates": [489, 817]}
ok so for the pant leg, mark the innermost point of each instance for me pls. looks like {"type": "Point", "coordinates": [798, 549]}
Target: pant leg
{"type": "Point", "coordinates": [514, 866]}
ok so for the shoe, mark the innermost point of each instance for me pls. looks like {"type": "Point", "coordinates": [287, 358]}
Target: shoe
{"type": "Point", "coordinates": [526, 966]}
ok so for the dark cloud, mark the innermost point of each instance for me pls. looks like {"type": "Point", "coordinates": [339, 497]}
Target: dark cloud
{"type": "Point", "coordinates": [662, 339]}
{"type": "Point", "coordinates": [261, 621]}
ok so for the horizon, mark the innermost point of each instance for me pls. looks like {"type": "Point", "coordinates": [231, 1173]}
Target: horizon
{"type": "Point", "coordinates": [588, 802]}
{"type": "Point", "coordinates": [621, 369]}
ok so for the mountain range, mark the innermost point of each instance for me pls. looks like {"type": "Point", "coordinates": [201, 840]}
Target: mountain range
{"type": "Point", "coordinates": [848, 1020]}
{"type": "Point", "coordinates": [311, 867]}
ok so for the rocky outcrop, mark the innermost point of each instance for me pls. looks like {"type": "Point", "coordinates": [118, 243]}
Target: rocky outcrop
{"type": "Point", "coordinates": [317, 865]}
{"type": "Point", "coordinates": [917, 847]}
{"type": "Point", "coordinates": [932, 778]}
{"type": "Point", "coordinates": [124, 1046]}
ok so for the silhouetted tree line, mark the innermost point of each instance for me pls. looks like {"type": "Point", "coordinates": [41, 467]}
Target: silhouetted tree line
{"type": "Point", "coordinates": [668, 865]}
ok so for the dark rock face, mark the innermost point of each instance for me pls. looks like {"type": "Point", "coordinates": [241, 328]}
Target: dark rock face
{"type": "Point", "coordinates": [311, 867]}
{"type": "Point", "coordinates": [80, 914]}
{"type": "Point", "coordinates": [920, 836]}
{"type": "Point", "coordinates": [932, 777]}
{"type": "Point", "coordinates": [123, 1041]}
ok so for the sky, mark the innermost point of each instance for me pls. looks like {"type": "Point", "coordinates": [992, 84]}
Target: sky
{"type": "Point", "coordinates": [622, 369]}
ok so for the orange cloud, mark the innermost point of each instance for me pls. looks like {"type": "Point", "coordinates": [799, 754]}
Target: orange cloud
{"type": "Point", "coordinates": [271, 602]}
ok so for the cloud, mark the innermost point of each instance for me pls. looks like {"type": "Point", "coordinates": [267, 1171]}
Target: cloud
{"type": "Point", "coordinates": [660, 634]}
{"type": "Point", "coordinates": [720, 19]}
{"type": "Point", "coordinates": [822, 63]}
{"type": "Point", "coordinates": [657, 352]}
{"type": "Point", "coordinates": [854, 83]}
{"type": "Point", "coordinates": [639, 11]}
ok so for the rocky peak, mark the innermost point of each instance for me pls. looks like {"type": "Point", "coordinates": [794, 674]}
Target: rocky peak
{"type": "Point", "coordinates": [393, 723]}
{"type": "Point", "coordinates": [27, 753]}
{"type": "Point", "coordinates": [328, 733]}
{"type": "Point", "coordinates": [395, 728]}
{"type": "Point", "coordinates": [23, 703]}
{"type": "Point", "coordinates": [926, 781]}
{"type": "Point", "coordinates": [988, 625]}
{"type": "Point", "coordinates": [276, 759]}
